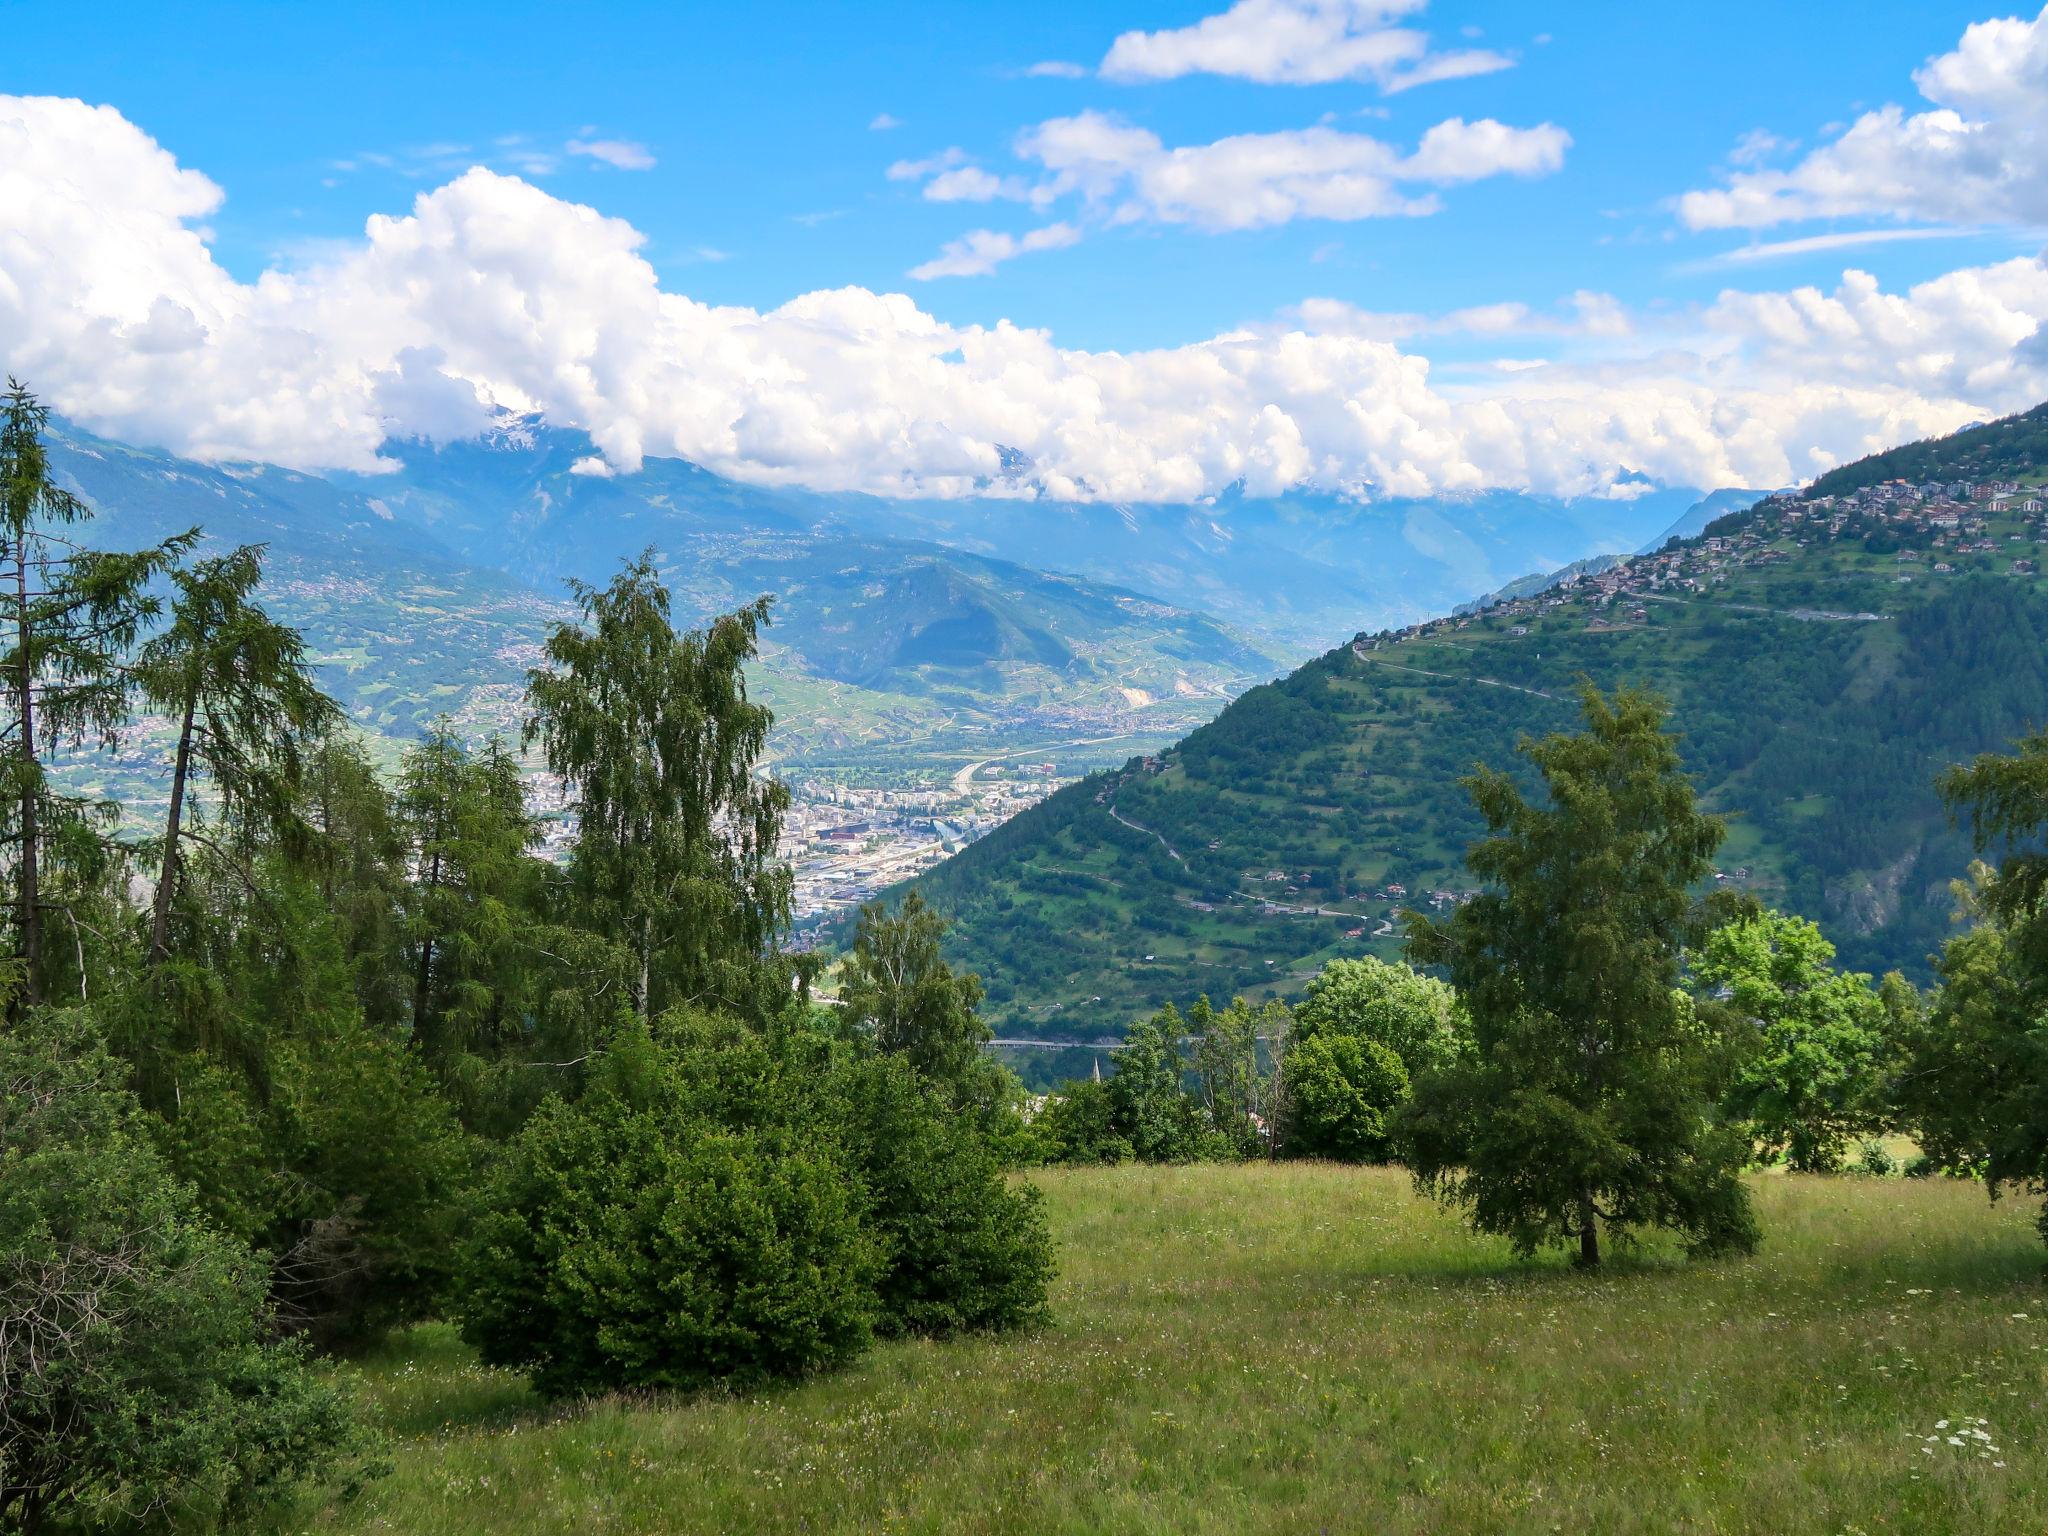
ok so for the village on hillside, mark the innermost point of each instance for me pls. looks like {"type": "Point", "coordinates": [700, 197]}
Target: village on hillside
{"type": "Point", "coordinates": [1933, 529]}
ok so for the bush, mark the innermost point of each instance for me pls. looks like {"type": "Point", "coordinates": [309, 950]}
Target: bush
{"type": "Point", "coordinates": [139, 1381]}
{"type": "Point", "coordinates": [1079, 1125]}
{"type": "Point", "coordinates": [1343, 1091]}
{"type": "Point", "coordinates": [629, 1248]}
{"type": "Point", "coordinates": [723, 1204]}
{"type": "Point", "coordinates": [964, 1250]}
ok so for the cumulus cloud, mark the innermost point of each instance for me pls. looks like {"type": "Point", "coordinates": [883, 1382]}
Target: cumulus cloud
{"type": "Point", "coordinates": [1973, 156]}
{"type": "Point", "coordinates": [619, 154]}
{"type": "Point", "coordinates": [488, 294]}
{"type": "Point", "coordinates": [1255, 179]}
{"type": "Point", "coordinates": [1299, 42]}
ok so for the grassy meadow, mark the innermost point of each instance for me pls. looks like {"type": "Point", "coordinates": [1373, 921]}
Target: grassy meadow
{"type": "Point", "coordinates": [1308, 1348]}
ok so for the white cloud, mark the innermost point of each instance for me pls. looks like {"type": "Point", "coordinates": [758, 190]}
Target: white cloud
{"type": "Point", "coordinates": [1056, 69]}
{"type": "Point", "coordinates": [1256, 179]}
{"type": "Point", "coordinates": [1840, 240]}
{"type": "Point", "coordinates": [1455, 150]}
{"type": "Point", "coordinates": [980, 251]}
{"type": "Point", "coordinates": [882, 122]}
{"type": "Point", "coordinates": [1299, 42]}
{"type": "Point", "coordinates": [1973, 157]}
{"type": "Point", "coordinates": [488, 293]}
{"type": "Point", "coordinates": [915, 170]}
{"type": "Point", "coordinates": [1584, 314]}
{"type": "Point", "coordinates": [620, 154]}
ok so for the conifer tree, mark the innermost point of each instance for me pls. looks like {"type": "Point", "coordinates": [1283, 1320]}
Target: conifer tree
{"type": "Point", "coordinates": [1589, 1099]}
{"type": "Point", "coordinates": [68, 617]}
{"type": "Point", "coordinates": [237, 687]}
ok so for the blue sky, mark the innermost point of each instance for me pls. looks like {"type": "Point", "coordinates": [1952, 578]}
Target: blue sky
{"type": "Point", "coordinates": [757, 119]}
{"type": "Point", "coordinates": [196, 263]}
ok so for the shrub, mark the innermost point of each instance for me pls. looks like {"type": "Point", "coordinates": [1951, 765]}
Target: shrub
{"type": "Point", "coordinates": [963, 1249]}
{"type": "Point", "coordinates": [630, 1248]}
{"type": "Point", "coordinates": [139, 1382]}
{"type": "Point", "coordinates": [723, 1204]}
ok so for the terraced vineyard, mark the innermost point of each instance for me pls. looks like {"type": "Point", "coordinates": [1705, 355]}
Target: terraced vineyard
{"type": "Point", "coordinates": [1823, 663]}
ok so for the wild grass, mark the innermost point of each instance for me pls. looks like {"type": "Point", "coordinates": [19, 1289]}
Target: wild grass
{"type": "Point", "coordinates": [1312, 1349]}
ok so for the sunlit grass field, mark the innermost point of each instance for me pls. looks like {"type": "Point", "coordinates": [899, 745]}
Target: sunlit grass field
{"type": "Point", "coordinates": [1312, 1349]}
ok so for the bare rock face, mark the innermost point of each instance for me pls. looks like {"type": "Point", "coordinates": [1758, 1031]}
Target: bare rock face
{"type": "Point", "coordinates": [1870, 900]}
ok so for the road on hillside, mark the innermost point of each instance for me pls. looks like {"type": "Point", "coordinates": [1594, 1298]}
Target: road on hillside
{"type": "Point", "coordinates": [1172, 851]}
{"type": "Point", "coordinates": [1452, 677]}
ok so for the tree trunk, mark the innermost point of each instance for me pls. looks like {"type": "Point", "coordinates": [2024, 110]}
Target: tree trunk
{"type": "Point", "coordinates": [167, 875]}
{"type": "Point", "coordinates": [646, 960]}
{"type": "Point", "coordinates": [31, 915]}
{"type": "Point", "coordinates": [1589, 1235]}
{"type": "Point", "coordinates": [424, 978]}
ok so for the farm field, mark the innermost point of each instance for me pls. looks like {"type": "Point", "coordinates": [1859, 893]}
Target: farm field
{"type": "Point", "coordinates": [1308, 1348]}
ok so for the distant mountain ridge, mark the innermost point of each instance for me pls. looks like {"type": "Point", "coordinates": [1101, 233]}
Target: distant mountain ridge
{"type": "Point", "coordinates": [933, 627]}
{"type": "Point", "coordinates": [1825, 655]}
{"type": "Point", "coordinates": [1300, 570]}
{"type": "Point", "coordinates": [876, 641]}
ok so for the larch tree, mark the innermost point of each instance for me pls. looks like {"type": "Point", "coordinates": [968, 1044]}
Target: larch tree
{"type": "Point", "coordinates": [653, 733]}
{"type": "Point", "coordinates": [1589, 1099]}
{"type": "Point", "coordinates": [69, 618]}
{"type": "Point", "coordinates": [244, 710]}
{"type": "Point", "coordinates": [479, 949]}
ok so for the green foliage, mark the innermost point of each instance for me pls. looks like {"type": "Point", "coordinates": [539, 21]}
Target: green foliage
{"type": "Point", "coordinates": [139, 1381]}
{"type": "Point", "coordinates": [1150, 1106]}
{"type": "Point", "coordinates": [1238, 1095]}
{"type": "Point", "coordinates": [1589, 1099]}
{"type": "Point", "coordinates": [486, 965]}
{"type": "Point", "coordinates": [1079, 1124]}
{"type": "Point", "coordinates": [654, 733]}
{"type": "Point", "coordinates": [1975, 1083]}
{"type": "Point", "coordinates": [899, 992]}
{"type": "Point", "coordinates": [1343, 1091]}
{"type": "Point", "coordinates": [726, 1204]}
{"type": "Point", "coordinates": [964, 1250]}
{"type": "Point", "coordinates": [629, 1243]}
{"type": "Point", "coordinates": [69, 617]}
{"type": "Point", "coordinates": [304, 1128]}
{"type": "Point", "coordinates": [245, 708]}
{"type": "Point", "coordinates": [1813, 1043]}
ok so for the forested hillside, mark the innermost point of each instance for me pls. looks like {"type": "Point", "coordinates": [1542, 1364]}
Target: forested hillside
{"type": "Point", "coordinates": [1825, 657]}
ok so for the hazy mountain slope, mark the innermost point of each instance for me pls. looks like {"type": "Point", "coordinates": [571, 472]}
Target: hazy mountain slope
{"type": "Point", "coordinates": [878, 646]}
{"type": "Point", "coordinates": [1301, 569]}
{"type": "Point", "coordinates": [1821, 676]}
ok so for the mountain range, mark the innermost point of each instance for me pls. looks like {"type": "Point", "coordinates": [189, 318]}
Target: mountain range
{"type": "Point", "coordinates": [905, 631]}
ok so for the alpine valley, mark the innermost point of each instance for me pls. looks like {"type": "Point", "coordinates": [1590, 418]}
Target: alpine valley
{"type": "Point", "coordinates": [909, 638]}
